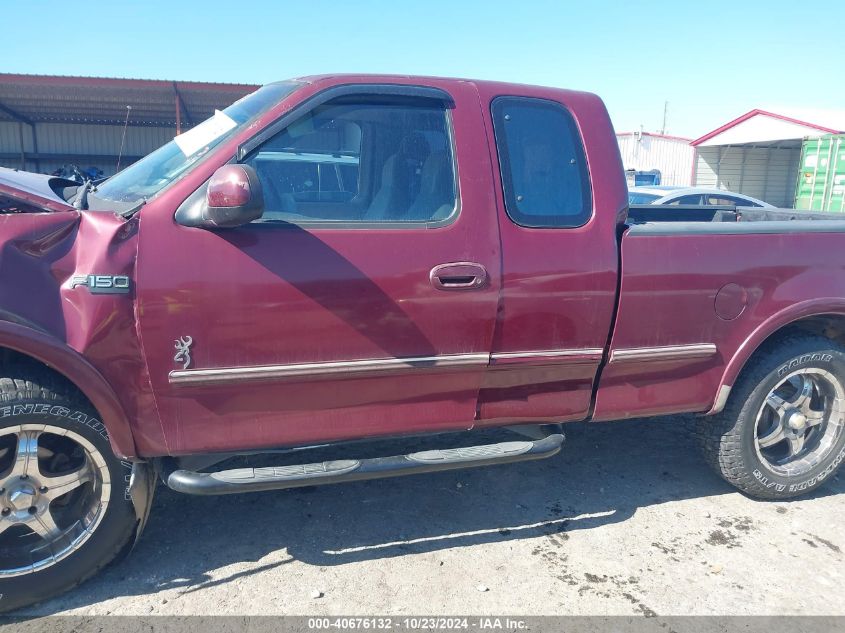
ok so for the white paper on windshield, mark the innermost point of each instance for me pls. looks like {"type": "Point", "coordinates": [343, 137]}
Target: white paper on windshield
{"type": "Point", "coordinates": [201, 135]}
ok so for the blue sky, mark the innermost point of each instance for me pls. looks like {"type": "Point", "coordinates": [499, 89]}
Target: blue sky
{"type": "Point", "coordinates": [711, 60]}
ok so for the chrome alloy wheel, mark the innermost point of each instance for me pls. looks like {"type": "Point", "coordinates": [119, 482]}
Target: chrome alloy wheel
{"type": "Point", "coordinates": [54, 490]}
{"type": "Point", "coordinates": [800, 421]}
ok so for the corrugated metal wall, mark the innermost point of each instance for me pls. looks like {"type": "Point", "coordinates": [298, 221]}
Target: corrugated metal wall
{"type": "Point", "coordinates": [766, 173]}
{"type": "Point", "coordinates": [10, 142]}
{"type": "Point", "coordinates": [673, 157]}
{"type": "Point", "coordinates": [83, 145]}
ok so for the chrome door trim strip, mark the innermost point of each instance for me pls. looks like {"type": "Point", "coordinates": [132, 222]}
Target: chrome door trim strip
{"type": "Point", "coordinates": [297, 370]}
{"type": "Point", "coordinates": [265, 372]}
{"type": "Point", "coordinates": [552, 353]}
{"type": "Point", "coordinates": [668, 352]}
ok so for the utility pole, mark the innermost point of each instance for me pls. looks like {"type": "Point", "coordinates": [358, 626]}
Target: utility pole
{"type": "Point", "coordinates": [665, 116]}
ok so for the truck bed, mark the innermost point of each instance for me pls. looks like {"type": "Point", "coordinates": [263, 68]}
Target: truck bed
{"type": "Point", "coordinates": [694, 276]}
{"type": "Point", "coordinates": [689, 213]}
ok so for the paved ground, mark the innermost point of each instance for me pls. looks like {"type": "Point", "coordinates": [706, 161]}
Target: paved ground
{"type": "Point", "coordinates": [627, 520]}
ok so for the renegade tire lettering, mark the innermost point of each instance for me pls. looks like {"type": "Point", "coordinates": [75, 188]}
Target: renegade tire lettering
{"type": "Point", "coordinates": [57, 412]}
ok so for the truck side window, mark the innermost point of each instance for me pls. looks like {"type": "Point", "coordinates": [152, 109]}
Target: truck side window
{"type": "Point", "coordinates": [360, 163]}
{"type": "Point", "coordinates": [542, 163]}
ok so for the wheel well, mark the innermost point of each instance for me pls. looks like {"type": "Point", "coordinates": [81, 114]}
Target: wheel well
{"type": "Point", "coordinates": [26, 349]}
{"type": "Point", "coordinates": [830, 326]}
{"type": "Point", "coordinates": [11, 359]}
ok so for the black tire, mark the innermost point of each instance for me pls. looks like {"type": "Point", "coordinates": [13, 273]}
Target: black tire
{"type": "Point", "coordinates": [728, 439]}
{"type": "Point", "coordinates": [22, 389]}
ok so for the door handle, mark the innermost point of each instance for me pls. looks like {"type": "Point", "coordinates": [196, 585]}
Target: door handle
{"type": "Point", "coordinates": [458, 276]}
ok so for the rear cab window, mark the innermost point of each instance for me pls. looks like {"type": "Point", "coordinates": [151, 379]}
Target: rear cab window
{"type": "Point", "coordinates": [544, 173]}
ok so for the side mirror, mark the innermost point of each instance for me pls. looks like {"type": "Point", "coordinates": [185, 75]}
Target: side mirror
{"type": "Point", "coordinates": [233, 197]}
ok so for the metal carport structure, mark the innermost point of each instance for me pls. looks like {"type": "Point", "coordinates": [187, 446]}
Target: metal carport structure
{"type": "Point", "coordinates": [47, 121]}
{"type": "Point", "coordinates": [757, 154]}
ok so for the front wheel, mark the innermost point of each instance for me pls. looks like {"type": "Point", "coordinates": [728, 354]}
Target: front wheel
{"type": "Point", "coordinates": [782, 433]}
{"type": "Point", "coordinates": [64, 507]}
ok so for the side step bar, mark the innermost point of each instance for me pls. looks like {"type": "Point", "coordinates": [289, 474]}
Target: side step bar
{"type": "Point", "coordinates": [240, 480]}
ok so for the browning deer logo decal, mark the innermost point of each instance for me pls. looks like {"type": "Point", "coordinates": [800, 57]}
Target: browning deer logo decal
{"type": "Point", "coordinates": [183, 351]}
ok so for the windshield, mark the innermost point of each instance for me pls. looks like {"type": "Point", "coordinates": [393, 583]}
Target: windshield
{"type": "Point", "coordinates": [155, 171]}
{"type": "Point", "coordinates": [641, 198]}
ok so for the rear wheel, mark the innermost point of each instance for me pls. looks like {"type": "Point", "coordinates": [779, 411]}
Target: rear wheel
{"type": "Point", "coordinates": [782, 433]}
{"type": "Point", "coordinates": [64, 508]}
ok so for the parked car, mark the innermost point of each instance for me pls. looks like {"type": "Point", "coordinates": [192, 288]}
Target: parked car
{"type": "Point", "coordinates": [668, 194]}
{"type": "Point", "coordinates": [355, 257]}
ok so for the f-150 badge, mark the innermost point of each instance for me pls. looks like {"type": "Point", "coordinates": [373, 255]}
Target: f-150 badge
{"type": "Point", "coordinates": [102, 284]}
{"type": "Point", "coordinates": [183, 351]}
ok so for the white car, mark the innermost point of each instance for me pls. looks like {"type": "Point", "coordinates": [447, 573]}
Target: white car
{"type": "Point", "coordinates": [691, 195]}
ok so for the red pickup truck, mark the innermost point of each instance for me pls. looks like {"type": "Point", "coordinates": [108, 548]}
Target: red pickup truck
{"type": "Point", "coordinates": [349, 257]}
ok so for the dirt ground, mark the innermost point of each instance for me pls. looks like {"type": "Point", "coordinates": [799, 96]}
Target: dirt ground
{"type": "Point", "coordinates": [626, 520]}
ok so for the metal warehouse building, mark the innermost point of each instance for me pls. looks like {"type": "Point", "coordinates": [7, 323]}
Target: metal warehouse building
{"type": "Point", "coordinates": [758, 154]}
{"type": "Point", "coordinates": [672, 156]}
{"type": "Point", "coordinates": [50, 121]}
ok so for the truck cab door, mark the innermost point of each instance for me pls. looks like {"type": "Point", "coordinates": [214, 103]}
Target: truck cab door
{"type": "Point", "coordinates": [362, 303]}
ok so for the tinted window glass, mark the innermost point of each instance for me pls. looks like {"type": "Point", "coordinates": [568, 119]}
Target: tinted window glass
{"type": "Point", "coordinates": [720, 200]}
{"type": "Point", "coordinates": [729, 200]}
{"type": "Point", "coordinates": [693, 199]}
{"type": "Point", "coordinates": [359, 162]}
{"type": "Point", "coordinates": [542, 162]}
{"type": "Point", "coordinates": [641, 198]}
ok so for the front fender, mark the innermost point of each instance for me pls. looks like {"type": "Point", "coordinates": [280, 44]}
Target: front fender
{"type": "Point", "coordinates": [73, 366]}
{"type": "Point", "coordinates": [779, 320]}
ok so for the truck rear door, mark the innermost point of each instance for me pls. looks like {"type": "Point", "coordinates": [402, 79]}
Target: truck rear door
{"type": "Point", "coordinates": [559, 250]}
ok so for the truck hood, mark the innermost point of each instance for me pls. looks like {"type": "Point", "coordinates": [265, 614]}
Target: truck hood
{"type": "Point", "coordinates": [37, 189]}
